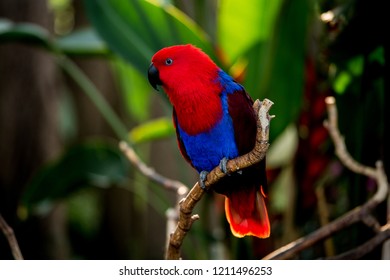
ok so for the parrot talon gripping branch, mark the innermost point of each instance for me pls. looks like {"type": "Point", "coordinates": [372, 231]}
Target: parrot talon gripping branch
{"type": "Point", "coordinates": [202, 178]}
{"type": "Point", "coordinates": [222, 164]}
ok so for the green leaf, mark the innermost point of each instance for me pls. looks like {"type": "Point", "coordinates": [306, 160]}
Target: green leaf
{"type": "Point", "coordinates": [95, 96]}
{"type": "Point", "coordinates": [378, 55]}
{"type": "Point", "coordinates": [80, 42]}
{"type": "Point", "coordinates": [243, 24]}
{"type": "Point", "coordinates": [341, 82]}
{"type": "Point", "coordinates": [135, 89]}
{"type": "Point", "coordinates": [152, 130]}
{"type": "Point", "coordinates": [24, 32]}
{"type": "Point", "coordinates": [136, 29]}
{"type": "Point", "coordinates": [346, 76]}
{"type": "Point", "coordinates": [5, 25]}
{"type": "Point", "coordinates": [83, 42]}
{"type": "Point", "coordinates": [276, 67]}
{"type": "Point", "coordinates": [85, 212]}
{"type": "Point", "coordinates": [93, 164]}
{"type": "Point", "coordinates": [356, 65]}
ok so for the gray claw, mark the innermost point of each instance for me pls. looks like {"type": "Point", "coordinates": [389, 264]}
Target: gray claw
{"type": "Point", "coordinates": [222, 165]}
{"type": "Point", "coordinates": [202, 179]}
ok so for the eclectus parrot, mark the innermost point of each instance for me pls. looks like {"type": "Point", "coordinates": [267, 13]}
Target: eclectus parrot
{"type": "Point", "coordinates": [214, 122]}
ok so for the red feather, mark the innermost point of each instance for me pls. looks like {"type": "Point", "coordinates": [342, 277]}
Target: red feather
{"type": "Point", "coordinates": [247, 214]}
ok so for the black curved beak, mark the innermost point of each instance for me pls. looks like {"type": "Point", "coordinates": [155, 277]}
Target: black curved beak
{"type": "Point", "coordinates": [153, 76]}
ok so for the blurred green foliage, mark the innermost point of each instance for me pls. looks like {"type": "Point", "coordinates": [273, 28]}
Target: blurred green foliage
{"type": "Point", "coordinates": [89, 164]}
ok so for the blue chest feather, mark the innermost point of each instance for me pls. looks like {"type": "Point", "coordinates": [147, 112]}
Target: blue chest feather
{"type": "Point", "coordinates": [207, 149]}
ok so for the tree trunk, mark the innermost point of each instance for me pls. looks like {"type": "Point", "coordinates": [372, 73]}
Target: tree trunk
{"type": "Point", "coordinates": [29, 98]}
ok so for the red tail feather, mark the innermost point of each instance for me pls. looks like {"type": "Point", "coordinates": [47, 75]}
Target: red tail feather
{"type": "Point", "coordinates": [247, 214]}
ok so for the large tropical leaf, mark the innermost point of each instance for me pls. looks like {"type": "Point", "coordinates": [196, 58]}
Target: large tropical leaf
{"type": "Point", "coordinates": [136, 29]}
{"type": "Point", "coordinates": [243, 24]}
{"type": "Point", "coordinates": [276, 67]}
{"type": "Point", "coordinates": [152, 130]}
{"type": "Point", "coordinates": [135, 89]}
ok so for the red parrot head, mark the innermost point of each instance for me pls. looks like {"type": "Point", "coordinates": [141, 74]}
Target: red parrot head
{"type": "Point", "coordinates": [173, 68]}
{"type": "Point", "coordinates": [189, 78]}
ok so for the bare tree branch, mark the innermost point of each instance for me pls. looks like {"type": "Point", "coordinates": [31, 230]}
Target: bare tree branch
{"type": "Point", "coordinates": [149, 172]}
{"type": "Point", "coordinates": [358, 214]}
{"type": "Point", "coordinates": [340, 148]}
{"type": "Point", "coordinates": [12, 241]}
{"type": "Point", "coordinates": [179, 188]}
{"type": "Point", "coordinates": [346, 159]}
{"type": "Point", "coordinates": [367, 247]}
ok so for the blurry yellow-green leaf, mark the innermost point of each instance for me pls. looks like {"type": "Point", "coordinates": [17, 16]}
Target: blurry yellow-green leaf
{"type": "Point", "coordinates": [242, 24]}
{"type": "Point", "coordinates": [341, 82]}
{"type": "Point", "coordinates": [152, 130]}
{"type": "Point", "coordinates": [282, 190]}
{"type": "Point", "coordinates": [283, 149]}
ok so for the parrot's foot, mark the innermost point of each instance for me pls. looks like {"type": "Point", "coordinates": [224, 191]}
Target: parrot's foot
{"type": "Point", "coordinates": [222, 165]}
{"type": "Point", "coordinates": [202, 179]}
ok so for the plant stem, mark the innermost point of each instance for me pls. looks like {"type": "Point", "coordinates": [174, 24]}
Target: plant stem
{"type": "Point", "coordinates": [95, 95]}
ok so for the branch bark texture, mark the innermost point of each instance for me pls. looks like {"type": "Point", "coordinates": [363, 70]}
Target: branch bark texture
{"type": "Point", "coordinates": [12, 241]}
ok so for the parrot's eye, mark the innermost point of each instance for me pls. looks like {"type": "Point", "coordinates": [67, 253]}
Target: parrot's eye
{"type": "Point", "coordinates": [168, 61]}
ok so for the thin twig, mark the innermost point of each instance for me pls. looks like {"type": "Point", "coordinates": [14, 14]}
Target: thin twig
{"type": "Point", "coordinates": [178, 187]}
{"type": "Point", "coordinates": [339, 143]}
{"type": "Point", "coordinates": [351, 217]}
{"type": "Point", "coordinates": [187, 205]}
{"type": "Point", "coordinates": [149, 172]}
{"type": "Point", "coordinates": [12, 241]}
{"type": "Point", "coordinates": [367, 247]}
{"type": "Point", "coordinates": [346, 159]}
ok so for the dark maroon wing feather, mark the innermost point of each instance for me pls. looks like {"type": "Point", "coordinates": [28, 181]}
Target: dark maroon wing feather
{"type": "Point", "coordinates": [244, 125]}
{"type": "Point", "coordinates": [244, 120]}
